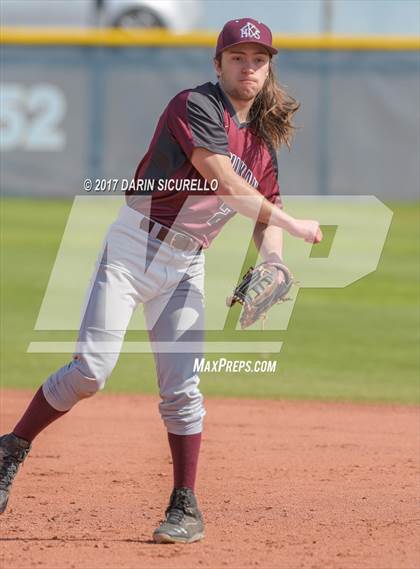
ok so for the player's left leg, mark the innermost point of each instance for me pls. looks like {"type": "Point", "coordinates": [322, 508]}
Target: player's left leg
{"type": "Point", "coordinates": [176, 328]}
{"type": "Point", "coordinates": [112, 300]}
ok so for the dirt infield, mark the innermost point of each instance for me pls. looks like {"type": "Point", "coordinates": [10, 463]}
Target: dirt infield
{"type": "Point", "coordinates": [281, 485]}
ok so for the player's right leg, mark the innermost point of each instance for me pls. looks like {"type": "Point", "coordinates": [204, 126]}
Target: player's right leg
{"type": "Point", "coordinates": [110, 302]}
{"type": "Point", "coordinates": [175, 320]}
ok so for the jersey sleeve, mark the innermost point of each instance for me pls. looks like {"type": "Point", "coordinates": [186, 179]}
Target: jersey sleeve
{"type": "Point", "coordinates": [269, 185]}
{"type": "Point", "coordinates": [195, 121]}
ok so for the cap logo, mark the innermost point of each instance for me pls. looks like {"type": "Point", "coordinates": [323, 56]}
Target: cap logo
{"type": "Point", "coordinates": [250, 31]}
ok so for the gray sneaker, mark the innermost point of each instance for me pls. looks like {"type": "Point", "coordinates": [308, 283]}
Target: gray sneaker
{"type": "Point", "coordinates": [13, 452]}
{"type": "Point", "coordinates": [184, 522]}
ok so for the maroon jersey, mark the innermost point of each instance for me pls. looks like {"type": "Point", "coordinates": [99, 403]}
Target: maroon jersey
{"type": "Point", "coordinates": [180, 198]}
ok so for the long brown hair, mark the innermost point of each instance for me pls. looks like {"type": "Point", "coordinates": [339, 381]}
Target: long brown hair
{"type": "Point", "coordinates": [272, 112]}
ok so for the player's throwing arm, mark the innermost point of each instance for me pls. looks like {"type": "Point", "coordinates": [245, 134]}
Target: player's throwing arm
{"type": "Point", "coordinates": [232, 188]}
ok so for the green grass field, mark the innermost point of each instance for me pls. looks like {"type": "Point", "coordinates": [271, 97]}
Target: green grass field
{"type": "Point", "coordinates": [358, 343]}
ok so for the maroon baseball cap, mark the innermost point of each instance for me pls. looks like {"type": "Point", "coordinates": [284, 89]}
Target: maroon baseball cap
{"type": "Point", "coordinates": [245, 30]}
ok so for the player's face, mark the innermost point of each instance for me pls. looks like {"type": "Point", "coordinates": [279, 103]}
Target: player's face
{"type": "Point", "coordinates": [243, 70]}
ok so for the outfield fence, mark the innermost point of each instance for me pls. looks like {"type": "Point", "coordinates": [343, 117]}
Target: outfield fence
{"type": "Point", "coordinates": [79, 104]}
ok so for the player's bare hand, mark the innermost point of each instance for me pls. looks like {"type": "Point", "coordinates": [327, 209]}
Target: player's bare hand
{"type": "Point", "coordinates": [306, 229]}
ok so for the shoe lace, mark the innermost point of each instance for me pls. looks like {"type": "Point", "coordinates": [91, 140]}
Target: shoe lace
{"type": "Point", "coordinates": [175, 516]}
{"type": "Point", "coordinates": [179, 506]}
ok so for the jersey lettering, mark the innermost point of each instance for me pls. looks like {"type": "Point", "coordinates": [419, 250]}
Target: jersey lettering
{"type": "Point", "coordinates": [242, 169]}
{"type": "Point", "coordinates": [224, 210]}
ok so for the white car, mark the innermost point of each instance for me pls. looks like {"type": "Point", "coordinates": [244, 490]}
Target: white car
{"type": "Point", "coordinates": [174, 15]}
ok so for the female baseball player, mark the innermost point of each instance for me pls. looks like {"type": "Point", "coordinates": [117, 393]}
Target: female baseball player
{"type": "Point", "coordinates": [153, 254]}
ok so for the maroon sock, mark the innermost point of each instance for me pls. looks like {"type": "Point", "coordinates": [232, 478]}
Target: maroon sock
{"type": "Point", "coordinates": [37, 416]}
{"type": "Point", "coordinates": [185, 450]}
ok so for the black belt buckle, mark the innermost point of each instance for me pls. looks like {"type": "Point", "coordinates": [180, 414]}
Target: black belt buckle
{"type": "Point", "coordinates": [184, 244]}
{"type": "Point", "coordinates": [176, 240]}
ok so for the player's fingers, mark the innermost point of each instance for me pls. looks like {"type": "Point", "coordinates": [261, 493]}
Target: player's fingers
{"type": "Point", "coordinates": [318, 236]}
{"type": "Point", "coordinates": [280, 277]}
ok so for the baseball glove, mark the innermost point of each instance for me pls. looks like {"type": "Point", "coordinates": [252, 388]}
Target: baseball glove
{"type": "Point", "coordinates": [259, 290]}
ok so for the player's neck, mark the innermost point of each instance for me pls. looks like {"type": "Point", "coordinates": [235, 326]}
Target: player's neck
{"type": "Point", "coordinates": [241, 107]}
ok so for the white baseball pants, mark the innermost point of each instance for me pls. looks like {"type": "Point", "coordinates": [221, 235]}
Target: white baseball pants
{"type": "Point", "coordinates": [134, 267]}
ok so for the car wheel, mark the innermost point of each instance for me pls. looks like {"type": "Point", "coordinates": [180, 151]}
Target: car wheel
{"type": "Point", "coordinates": [138, 18]}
